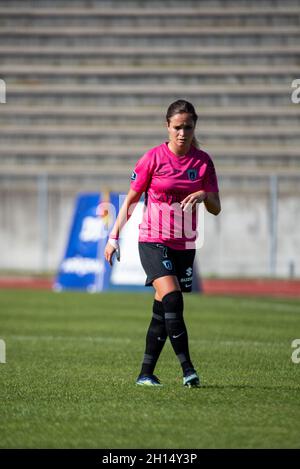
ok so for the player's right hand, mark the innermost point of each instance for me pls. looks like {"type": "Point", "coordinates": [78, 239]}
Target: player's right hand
{"type": "Point", "coordinates": [111, 248]}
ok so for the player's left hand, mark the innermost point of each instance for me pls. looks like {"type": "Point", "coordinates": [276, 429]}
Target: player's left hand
{"type": "Point", "coordinates": [189, 203]}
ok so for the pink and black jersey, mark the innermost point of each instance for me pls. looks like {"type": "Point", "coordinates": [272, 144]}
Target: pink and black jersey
{"type": "Point", "coordinates": [166, 180]}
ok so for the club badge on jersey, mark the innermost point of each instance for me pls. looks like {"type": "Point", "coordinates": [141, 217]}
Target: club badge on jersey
{"type": "Point", "coordinates": [168, 264]}
{"type": "Point", "coordinates": [192, 174]}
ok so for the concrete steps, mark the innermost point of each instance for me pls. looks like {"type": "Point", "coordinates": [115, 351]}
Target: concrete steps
{"type": "Point", "coordinates": [143, 135]}
{"type": "Point", "coordinates": [259, 156]}
{"type": "Point", "coordinates": [140, 94]}
{"type": "Point", "coordinates": [164, 36]}
{"type": "Point", "coordinates": [121, 174]}
{"type": "Point", "coordinates": [137, 17]}
{"type": "Point", "coordinates": [283, 116]}
{"type": "Point", "coordinates": [64, 5]}
{"type": "Point", "coordinates": [89, 81]}
{"type": "Point", "coordinates": [91, 4]}
{"type": "Point", "coordinates": [193, 75]}
{"type": "Point", "coordinates": [140, 56]}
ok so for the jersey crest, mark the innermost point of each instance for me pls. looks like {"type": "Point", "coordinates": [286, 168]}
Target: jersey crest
{"type": "Point", "coordinates": [168, 264]}
{"type": "Point", "coordinates": [192, 174]}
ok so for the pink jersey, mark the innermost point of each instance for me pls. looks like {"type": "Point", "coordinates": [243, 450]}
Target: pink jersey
{"type": "Point", "coordinates": [166, 180]}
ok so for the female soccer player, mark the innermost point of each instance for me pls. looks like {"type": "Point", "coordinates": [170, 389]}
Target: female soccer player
{"type": "Point", "coordinates": [175, 176]}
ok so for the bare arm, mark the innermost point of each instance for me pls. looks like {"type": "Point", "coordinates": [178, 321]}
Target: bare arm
{"type": "Point", "coordinates": [211, 201]}
{"type": "Point", "coordinates": [124, 214]}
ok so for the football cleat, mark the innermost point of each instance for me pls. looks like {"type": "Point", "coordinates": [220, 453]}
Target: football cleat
{"type": "Point", "coordinates": [192, 380]}
{"type": "Point", "coordinates": [148, 380]}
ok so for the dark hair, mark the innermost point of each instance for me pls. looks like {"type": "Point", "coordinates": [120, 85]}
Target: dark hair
{"type": "Point", "coordinates": [179, 107]}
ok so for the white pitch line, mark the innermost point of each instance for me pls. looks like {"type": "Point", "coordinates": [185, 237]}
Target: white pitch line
{"type": "Point", "coordinates": [252, 303]}
{"type": "Point", "coordinates": [272, 306]}
{"type": "Point", "coordinates": [237, 343]}
{"type": "Point", "coordinates": [243, 343]}
{"type": "Point", "coordinates": [70, 338]}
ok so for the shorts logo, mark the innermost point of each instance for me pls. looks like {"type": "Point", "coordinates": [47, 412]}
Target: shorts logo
{"type": "Point", "coordinates": [189, 271]}
{"type": "Point", "coordinates": [168, 264]}
{"type": "Point", "coordinates": [133, 176]}
{"type": "Point", "coordinates": [192, 174]}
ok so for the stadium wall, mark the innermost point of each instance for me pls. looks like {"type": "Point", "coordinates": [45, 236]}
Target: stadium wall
{"type": "Point", "coordinates": [246, 239]}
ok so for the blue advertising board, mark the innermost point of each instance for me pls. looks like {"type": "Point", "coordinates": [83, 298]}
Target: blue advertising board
{"type": "Point", "coordinates": [83, 266]}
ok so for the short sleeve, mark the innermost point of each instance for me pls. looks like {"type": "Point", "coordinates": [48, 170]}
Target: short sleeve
{"type": "Point", "coordinates": [142, 173]}
{"type": "Point", "coordinates": [210, 178]}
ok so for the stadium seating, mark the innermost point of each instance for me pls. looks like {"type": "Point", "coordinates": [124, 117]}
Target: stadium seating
{"type": "Point", "coordinates": [88, 83]}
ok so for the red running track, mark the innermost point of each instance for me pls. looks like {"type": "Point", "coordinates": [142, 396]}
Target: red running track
{"type": "Point", "coordinates": [249, 287]}
{"type": "Point", "coordinates": [252, 287]}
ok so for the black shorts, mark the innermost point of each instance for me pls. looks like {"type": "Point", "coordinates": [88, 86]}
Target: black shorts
{"type": "Point", "coordinates": [159, 260]}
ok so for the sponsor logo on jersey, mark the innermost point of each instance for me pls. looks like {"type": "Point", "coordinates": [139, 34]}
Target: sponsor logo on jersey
{"type": "Point", "coordinates": [192, 174]}
{"type": "Point", "coordinates": [189, 271]}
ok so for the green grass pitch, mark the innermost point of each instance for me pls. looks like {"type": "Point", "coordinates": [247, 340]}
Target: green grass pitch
{"type": "Point", "coordinates": [72, 360]}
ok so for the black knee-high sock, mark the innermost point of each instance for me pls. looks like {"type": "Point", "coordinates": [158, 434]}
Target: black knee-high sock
{"type": "Point", "coordinates": [176, 329]}
{"type": "Point", "coordinates": [155, 339]}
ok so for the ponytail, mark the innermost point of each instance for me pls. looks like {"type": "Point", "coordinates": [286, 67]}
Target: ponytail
{"type": "Point", "coordinates": [195, 143]}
